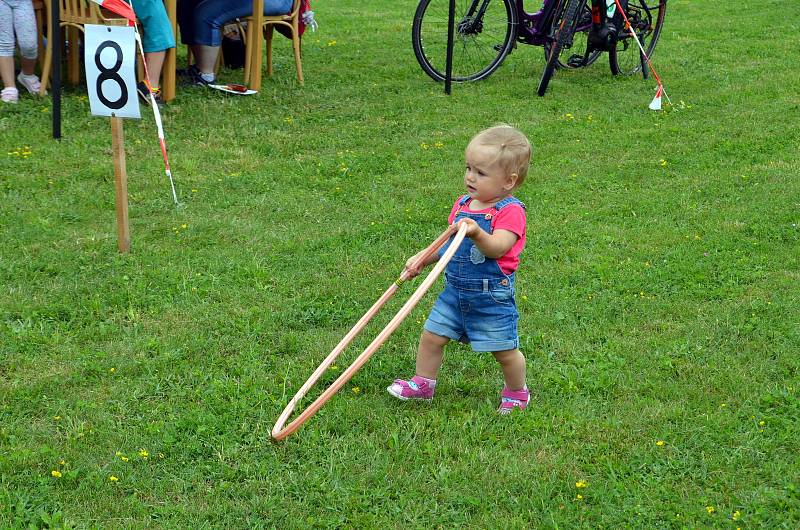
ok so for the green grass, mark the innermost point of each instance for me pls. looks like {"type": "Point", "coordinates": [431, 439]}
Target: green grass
{"type": "Point", "coordinates": [658, 294]}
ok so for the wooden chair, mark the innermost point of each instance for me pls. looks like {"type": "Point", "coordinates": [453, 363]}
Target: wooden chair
{"type": "Point", "coordinates": [252, 67]}
{"type": "Point", "coordinates": [74, 14]}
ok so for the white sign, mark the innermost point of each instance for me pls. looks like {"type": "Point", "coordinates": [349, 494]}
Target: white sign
{"type": "Point", "coordinates": [110, 56]}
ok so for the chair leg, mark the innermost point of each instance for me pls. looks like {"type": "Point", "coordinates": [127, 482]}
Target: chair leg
{"type": "Point", "coordinates": [48, 58]}
{"type": "Point", "coordinates": [296, 45]}
{"type": "Point", "coordinates": [248, 58]}
{"type": "Point", "coordinates": [73, 58]}
{"type": "Point", "coordinates": [268, 33]}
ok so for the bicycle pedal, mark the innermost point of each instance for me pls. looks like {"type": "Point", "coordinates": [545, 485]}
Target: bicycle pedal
{"type": "Point", "coordinates": [576, 61]}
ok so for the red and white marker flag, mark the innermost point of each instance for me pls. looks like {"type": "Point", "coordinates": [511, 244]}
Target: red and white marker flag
{"type": "Point", "coordinates": [120, 7]}
{"type": "Point", "coordinates": [656, 103]}
{"type": "Point", "coordinates": [123, 9]}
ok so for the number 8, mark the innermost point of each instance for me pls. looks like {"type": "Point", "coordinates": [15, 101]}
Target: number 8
{"type": "Point", "coordinates": [110, 74]}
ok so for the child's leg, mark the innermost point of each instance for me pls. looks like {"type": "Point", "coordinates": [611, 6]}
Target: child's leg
{"type": "Point", "coordinates": [155, 60]}
{"type": "Point", "coordinates": [27, 40]}
{"type": "Point", "coordinates": [7, 72]}
{"type": "Point", "coordinates": [429, 359]}
{"type": "Point", "coordinates": [513, 365]}
{"type": "Point", "coordinates": [430, 354]}
{"type": "Point", "coordinates": [515, 394]}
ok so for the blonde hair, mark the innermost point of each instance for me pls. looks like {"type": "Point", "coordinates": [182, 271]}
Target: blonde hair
{"type": "Point", "coordinates": [513, 149]}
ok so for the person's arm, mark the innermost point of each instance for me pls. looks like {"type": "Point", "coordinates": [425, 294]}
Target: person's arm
{"type": "Point", "coordinates": [433, 258]}
{"type": "Point", "coordinates": [494, 245]}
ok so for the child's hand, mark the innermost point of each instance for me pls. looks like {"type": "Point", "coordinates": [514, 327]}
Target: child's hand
{"type": "Point", "coordinates": [410, 269]}
{"type": "Point", "coordinates": [473, 229]}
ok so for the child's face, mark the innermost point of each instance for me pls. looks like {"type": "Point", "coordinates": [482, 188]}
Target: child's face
{"type": "Point", "coordinates": [486, 181]}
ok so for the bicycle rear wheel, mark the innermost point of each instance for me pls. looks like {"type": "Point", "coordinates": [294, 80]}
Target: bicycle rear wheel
{"type": "Point", "coordinates": [483, 34]}
{"type": "Point", "coordinates": [564, 25]}
{"type": "Point", "coordinates": [580, 41]}
{"type": "Point", "coordinates": [646, 18]}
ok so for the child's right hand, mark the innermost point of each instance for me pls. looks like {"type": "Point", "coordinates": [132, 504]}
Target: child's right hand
{"type": "Point", "coordinates": [410, 269]}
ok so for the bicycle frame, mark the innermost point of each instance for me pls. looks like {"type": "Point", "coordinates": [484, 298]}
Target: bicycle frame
{"type": "Point", "coordinates": [536, 28]}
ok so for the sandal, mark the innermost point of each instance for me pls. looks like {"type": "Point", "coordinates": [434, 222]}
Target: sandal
{"type": "Point", "coordinates": [415, 388]}
{"type": "Point", "coordinates": [511, 399]}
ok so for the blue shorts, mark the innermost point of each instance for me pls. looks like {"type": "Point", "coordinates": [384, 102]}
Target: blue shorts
{"type": "Point", "coordinates": [156, 29]}
{"type": "Point", "coordinates": [479, 311]}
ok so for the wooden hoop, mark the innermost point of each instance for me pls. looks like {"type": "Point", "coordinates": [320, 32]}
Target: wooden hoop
{"type": "Point", "coordinates": [279, 432]}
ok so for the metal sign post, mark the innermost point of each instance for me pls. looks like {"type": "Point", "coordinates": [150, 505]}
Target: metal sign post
{"type": "Point", "coordinates": [448, 69]}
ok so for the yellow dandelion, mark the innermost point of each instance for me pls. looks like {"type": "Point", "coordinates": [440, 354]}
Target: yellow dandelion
{"type": "Point", "coordinates": [710, 509]}
{"type": "Point", "coordinates": [113, 478]}
{"type": "Point", "coordinates": [762, 423]}
{"type": "Point", "coordinates": [124, 458]}
{"type": "Point", "coordinates": [356, 390]}
{"type": "Point", "coordinates": [660, 443]}
{"type": "Point", "coordinates": [143, 453]}
{"type": "Point", "coordinates": [62, 462]}
{"type": "Point", "coordinates": [56, 473]}
{"type": "Point", "coordinates": [723, 405]}
{"type": "Point", "coordinates": [662, 162]}
{"type": "Point", "coordinates": [184, 226]}
{"type": "Point", "coordinates": [332, 43]}
{"type": "Point", "coordinates": [736, 515]}
{"type": "Point", "coordinates": [57, 418]}
{"type": "Point", "coordinates": [112, 370]}
{"type": "Point", "coordinates": [424, 145]}
{"type": "Point", "coordinates": [578, 497]}
{"type": "Point", "coordinates": [581, 484]}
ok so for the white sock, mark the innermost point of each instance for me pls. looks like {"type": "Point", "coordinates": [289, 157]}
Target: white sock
{"type": "Point", "coordinates": [208, 78]}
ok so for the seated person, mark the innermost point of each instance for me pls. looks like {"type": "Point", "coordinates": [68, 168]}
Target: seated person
{"type": "Point", "coordinates": [201, 24]}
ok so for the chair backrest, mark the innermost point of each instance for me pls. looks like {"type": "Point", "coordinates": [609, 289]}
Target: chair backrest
{"type": "Point", "coordinates": [86, 12]}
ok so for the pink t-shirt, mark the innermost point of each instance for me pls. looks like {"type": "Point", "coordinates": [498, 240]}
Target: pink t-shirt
{"type": "Point", "coordinates": [512, 218]}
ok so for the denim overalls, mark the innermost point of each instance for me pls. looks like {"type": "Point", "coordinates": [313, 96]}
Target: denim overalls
{"type": "Point", "coordinates": [477, 304]}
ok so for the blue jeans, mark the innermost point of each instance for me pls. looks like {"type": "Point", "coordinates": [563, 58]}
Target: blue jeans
{"type": "Point", "coordinates": [201, 21]}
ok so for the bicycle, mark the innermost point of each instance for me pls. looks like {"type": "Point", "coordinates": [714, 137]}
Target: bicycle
{"type": "Point", "coordinates": [486, 31]}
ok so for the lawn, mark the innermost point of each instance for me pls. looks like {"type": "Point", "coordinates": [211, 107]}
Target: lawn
{"type": "Point", "coordinates": [659, 294]}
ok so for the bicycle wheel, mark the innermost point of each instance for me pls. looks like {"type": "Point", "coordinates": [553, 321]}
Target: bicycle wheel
{"type": "Point", "coordinates": [483, 34]}
{"type": "Point", "coordinates": [580, 41]}
{"type": "Point", "coordinates": [564, 23]}
{"type": "Point", "coordinates": [646, 18]}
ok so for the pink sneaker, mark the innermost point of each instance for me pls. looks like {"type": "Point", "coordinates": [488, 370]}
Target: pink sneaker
{"type": "Point", "coordinates": [511, 399]}
{"type": "Point", "coordinates": [415, 388]}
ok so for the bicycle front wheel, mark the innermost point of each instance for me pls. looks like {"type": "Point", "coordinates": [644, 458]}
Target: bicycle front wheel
{"type": "Point", "coordinates": [483, 34]}
{"type": "Point", "coordinates": [646, 18]}
{"type": "Point", "coordinates": [564, 25]}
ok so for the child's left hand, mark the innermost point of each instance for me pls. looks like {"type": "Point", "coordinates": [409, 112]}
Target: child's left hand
{"type": "Point", "coordinates": [473, 229]}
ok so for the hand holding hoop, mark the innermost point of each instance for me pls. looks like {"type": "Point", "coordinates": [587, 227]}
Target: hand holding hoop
{"type": "Point", "coordinates": [279, 432]}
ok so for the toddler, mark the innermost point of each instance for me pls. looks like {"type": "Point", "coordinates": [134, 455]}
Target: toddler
{"type": "Point", "coordinates": [477, 304]}
{"type": "Point", "coordinates": [16, 16]}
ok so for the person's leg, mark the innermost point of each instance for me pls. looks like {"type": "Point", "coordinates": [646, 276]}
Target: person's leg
{"type": "Point", "coordinates": [28, 42]}
{"type": "Point", "coordinates": [429, 360]}
{"type": "Point", "coordinates": [430, 354]}
{"type": "Point", "coordinates": [210, 16]}
{"type": "Point", "coordinates": [7, 71]}
{"type": "Point", "coordinates": [515, 394]}
{"type": "Point", "coordinates": [513, 364]}
{"type": "Point", "coordinates": [7, 45]}
{"type": "Point", "coordinates": [157, 36]}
